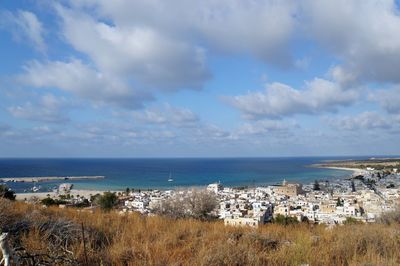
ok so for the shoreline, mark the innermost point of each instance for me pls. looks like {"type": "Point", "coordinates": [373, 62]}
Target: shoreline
{"type": "Point", "coordinates": [354, 170]}
{"type": "Point", "coordinates": [74, 192]}
{"type": "Point", "coordinates": [86, 192]}
{"type": "Point", "coordinates": [47, 178]}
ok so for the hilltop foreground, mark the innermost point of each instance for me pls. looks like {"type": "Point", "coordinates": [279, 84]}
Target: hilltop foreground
{"type": "Point", "coordinates": [55, 236]}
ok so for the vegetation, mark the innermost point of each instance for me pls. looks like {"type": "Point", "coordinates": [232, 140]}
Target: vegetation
{"type": "Point", "coordinates": [316, 186]}
{"type": "Point", "coordinates": [353, 187]}
{"type": "Point", "coordinates": [49, 201]}
{"type": "Point", "coordinates": [6, 193]}
{"type": "Point", "coordinates": [198, 204]}
{"type": "Point", "coordinates": [284, 220]}
{"type": "Point", "coordinates": [339, 202]}
{"type": "Point", "coordinates": [53, 236]}
{"type": "Point", "coordinates": [351, 220]}
{"type": "Point", "coordinates": [392, 217]}
{"type": "Point", "coordinates": [387, 164]}
{"type": "Point", "coordinates": [106, 201]}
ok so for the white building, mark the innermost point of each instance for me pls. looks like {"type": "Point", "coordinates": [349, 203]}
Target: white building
{"type": "Point", "coordinates": [215, 187]}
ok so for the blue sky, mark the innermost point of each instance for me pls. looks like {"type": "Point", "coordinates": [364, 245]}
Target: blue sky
{"type": "Point", "coordinates": [180, 78]}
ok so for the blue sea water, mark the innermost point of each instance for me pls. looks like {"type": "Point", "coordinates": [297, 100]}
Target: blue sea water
{"type": "Point", "coordinates": [154, 173]}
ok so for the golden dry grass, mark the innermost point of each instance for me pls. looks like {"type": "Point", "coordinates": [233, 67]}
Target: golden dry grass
{"type": "Point", "coordinates": [132, 239]}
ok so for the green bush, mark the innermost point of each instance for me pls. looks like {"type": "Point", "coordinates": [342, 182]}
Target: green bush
{"type": "Point", "coordinates": [49, 201]}
{"type": "Point", "coordinates": [351, 220]}
{"type": "Point", "coordinates": [6, 193]}
{"type": "Point", "coordinates": [285, 220]}
{"type": "Point", "coordinates": [107, 200]}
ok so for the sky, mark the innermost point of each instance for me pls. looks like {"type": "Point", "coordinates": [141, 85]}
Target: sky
{"type": "Point", "coordinates": [211, 78]}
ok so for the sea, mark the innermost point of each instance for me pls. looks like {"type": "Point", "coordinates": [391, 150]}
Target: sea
{"type": "Point", "coordinates": [154, 173]}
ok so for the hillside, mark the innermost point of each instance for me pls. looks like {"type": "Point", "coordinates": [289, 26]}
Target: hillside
{"type": "Point", "coordinates": [53, 235]}
{"type": "Point", "coordinates": [387, 164]}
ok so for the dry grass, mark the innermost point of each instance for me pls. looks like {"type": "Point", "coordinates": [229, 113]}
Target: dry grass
{"type": "Point", "coordinates": [131, 239]}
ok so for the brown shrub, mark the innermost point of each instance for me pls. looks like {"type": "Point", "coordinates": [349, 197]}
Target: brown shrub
{"type": "Point", "coordinates": [132, 239]}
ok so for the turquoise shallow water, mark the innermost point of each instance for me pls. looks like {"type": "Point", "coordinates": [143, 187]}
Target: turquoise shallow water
{"type": "Point", "coordinates": [154, 173]}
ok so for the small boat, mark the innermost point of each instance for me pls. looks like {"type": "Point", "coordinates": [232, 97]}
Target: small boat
{"type": "Point", "coordinates": [36, 189]}
{"type": "Point", "coordinates": [170, 178]}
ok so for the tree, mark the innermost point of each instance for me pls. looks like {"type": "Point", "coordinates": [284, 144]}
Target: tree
{"type": "Point", "coordinates": [339, 202]}
{"type": "Point", "coordinates": [305, 219]}
{"type": "Point", "coordinates": [48, 201]}
{"type": "Point", "coordinates": [285, 220]}
{"type": "Point", "coordinates": [6, 192]}
{"type": "Point", "coordinates": [198, 204]}
{"type": "Point", "coordinates": [202, 203]}
{"type": "Point", "coordinates": [353, 187]}
{"type": "Point", "coordinates": [107, 201]}
{"type": "Point", "coordinates": [316, 185]}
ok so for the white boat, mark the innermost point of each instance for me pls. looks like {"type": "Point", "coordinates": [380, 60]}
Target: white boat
{"type": "Point", "coordinates": [36, 189]}
{"type": "Point", "coordinates": [170, 178]}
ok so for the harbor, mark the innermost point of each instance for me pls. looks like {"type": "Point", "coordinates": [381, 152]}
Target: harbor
{"type": "Point", "coordinates": [47, 178]}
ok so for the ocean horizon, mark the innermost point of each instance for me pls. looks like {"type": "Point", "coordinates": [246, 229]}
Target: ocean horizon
{"type": "Point", "coordinates": [153, 173]}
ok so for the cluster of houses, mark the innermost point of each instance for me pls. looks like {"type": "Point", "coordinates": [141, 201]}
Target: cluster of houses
{"type": "Point", "coordinates": [362, 198]}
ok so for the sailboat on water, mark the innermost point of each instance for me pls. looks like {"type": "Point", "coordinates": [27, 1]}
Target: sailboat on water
{"type": "Point", "coordinates": [170, 179]}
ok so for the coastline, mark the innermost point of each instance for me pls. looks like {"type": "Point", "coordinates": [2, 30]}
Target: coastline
{"type": "Point", "coordinates": [47, 178]}
{"type": "Point", "coordinates": [355, 171]}
{"type": "Point", "coordinates": [74, 192]}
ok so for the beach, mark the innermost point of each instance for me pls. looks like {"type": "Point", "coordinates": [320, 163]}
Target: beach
{"type": "Point", "coordinates": [43, 195]}
{"type": "Point", "coordinates": [355, 171]}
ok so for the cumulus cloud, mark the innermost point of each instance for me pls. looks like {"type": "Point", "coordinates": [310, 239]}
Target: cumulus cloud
{"type": "Point", "coordinates": [137, 52]}
{"type": "Point", "coordinates": [82, 80]}
{"type": "Point", "coordinates": [365, 35]}
{"type": "Point", "coordinates": [168, 115]}
{"type": "Point", "coordinates": [110, 133]}
{"type": "Point", "coordinates": [264, 127]}
{"type": "Point", "coordinates": [279, 100]}
{"type": "Point", "coordinates": [389, 99]}
{"type": "Point", "coordinates": [48, 109]}
{"type": "Point", "coordinates": [364, 121]}
{"type": "Point", "coordinates": [24, 25]}
{"type": "Point", "coordinates": [258, 28]}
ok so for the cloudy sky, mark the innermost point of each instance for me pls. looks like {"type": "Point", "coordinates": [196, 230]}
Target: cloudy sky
{"type": "Point", "coordinates": [156, 78]}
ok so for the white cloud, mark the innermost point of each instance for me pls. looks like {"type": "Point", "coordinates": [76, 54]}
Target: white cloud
{"type": "Point", "coordinates": [138, 52]}
{"type": "Point", "coordinates": [364, 121]}
{"type": "Point", "coordinates": [389, 99]}
{"type": "Point", "coordinates": [279, 100]}
{"type": "Point", "coordinates": [24, 25]}
{"type": "Point", "coordinates": [258, 28]}
{"type": "Point", "coordinates": [168, 115]}
{"type": "Point", "coordinates": [48, 109]}
{"type": "Point", "coordinates": [365, 35]}
{"type": "Point", "coordinates": [82, 80]}
{"type": "Point", "coordinates": [265, 127]}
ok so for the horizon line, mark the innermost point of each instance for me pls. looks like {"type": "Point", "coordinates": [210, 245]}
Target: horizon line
{"type": "Point", "coordinates": [392, 156]}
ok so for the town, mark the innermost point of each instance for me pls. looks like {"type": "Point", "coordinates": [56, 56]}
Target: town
{"type": "Point", "coordinates": [361, 198]}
